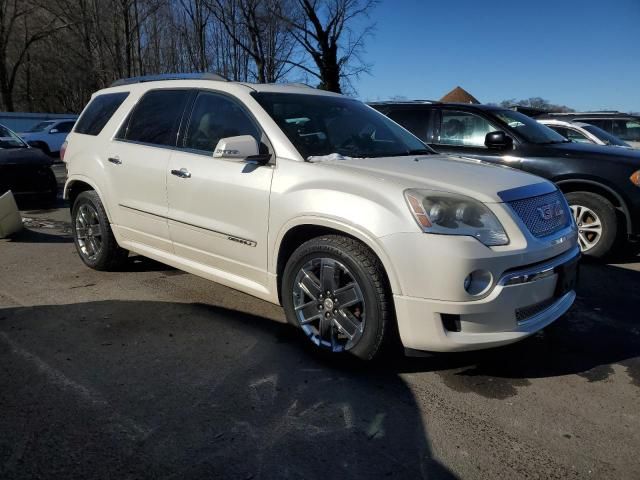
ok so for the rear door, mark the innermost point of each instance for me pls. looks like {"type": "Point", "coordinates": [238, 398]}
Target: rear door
{"type": "Point", "coordinates": [137, 163]}
{"type": "Point", "coordinates": [219, 208]}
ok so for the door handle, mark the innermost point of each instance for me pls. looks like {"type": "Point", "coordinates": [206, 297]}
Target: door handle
{"type": "Point", "coordinates": [182, 173]}
{"type": "Point", "coordinates": [115, 160]}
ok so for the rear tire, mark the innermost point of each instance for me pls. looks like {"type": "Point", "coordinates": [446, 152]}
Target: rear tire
{"type": "Point", "coordinates": [596, 220]}
{"type": "Point", "coordinates": [335, 289]}
{"type": "Point", "coordinates": [92, 234]}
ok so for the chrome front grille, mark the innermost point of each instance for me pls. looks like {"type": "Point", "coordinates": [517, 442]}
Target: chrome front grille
{"type": "Point", "coordinates": [543, 215]}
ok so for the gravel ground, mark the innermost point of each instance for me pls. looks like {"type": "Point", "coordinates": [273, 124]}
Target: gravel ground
{"type": "Point", "coordinates": [155, 373]}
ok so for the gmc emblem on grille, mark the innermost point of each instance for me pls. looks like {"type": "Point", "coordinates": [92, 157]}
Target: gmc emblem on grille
{"type": "Point", "coordinates": [551, 210]}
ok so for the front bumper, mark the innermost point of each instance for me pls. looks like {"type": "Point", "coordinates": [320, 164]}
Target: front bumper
{"type": "Point", "coordinates": [523, 301]}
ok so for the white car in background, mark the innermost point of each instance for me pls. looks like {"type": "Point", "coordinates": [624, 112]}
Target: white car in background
{"type": "Point", "coordinates": [49, 135]}
{"type": "Point", "coordinates": [317, 202]}
{"type": "Point", "coordinates": [581, 132]}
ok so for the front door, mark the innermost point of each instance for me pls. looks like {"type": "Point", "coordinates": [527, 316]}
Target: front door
{"type": "Point", "coordinates": [463, 133]}
{"type": "Point", "coordinates": [219, 208]}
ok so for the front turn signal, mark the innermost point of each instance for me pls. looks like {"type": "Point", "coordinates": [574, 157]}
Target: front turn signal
{"type": "Point", "coordinates": [635, 178]}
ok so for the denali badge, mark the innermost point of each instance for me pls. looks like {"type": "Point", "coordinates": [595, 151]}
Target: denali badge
{"type": "Point", "coordinates": [550, 210]}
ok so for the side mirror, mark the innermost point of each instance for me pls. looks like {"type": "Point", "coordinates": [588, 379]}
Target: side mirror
{"type": "Point", "coordinates": [498, 141]}
{"type": "Point", "coordinates": [243, 148]}
{"type": "Point", "coordinates": [54, 130]}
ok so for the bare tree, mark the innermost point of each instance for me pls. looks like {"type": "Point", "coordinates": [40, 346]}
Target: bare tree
{"type": "Point", "coordinates": [15, 44]}
{"type": "Point", "coordinates": [262, 34]}
{"type": "Point", "coordinates": [324, 30]}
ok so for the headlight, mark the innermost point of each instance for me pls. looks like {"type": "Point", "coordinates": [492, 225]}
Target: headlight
{"type": "Point", "coordinates": [452, 214]}
{"type": "Point", "coordinates": [635, 178]}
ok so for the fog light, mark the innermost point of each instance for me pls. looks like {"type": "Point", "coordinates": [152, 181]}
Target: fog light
{"type": "Point", "coordinates": [478, 282]}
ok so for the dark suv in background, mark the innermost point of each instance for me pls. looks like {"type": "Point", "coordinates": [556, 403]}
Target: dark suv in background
{"type": "Point", "coordinates": [625, 127]}
{"type": "Point", "coordinates": [601, 184]}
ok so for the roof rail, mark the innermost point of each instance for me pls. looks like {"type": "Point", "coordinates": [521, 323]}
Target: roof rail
{"type": "Point", "coordinates": [169, 76]}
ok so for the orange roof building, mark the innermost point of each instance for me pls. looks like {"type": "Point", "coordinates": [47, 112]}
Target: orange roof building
{"type": "Point", "coordinates": [459, 95]}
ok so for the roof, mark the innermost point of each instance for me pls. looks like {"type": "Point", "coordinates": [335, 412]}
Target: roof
{"type": "Point", "coordinates": [459, 95]}
{"type": "Point", "coordinates": [562, 122]}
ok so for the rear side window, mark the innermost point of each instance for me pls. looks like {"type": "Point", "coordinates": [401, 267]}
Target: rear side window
{"type": "Point", "coordinates": [98, 113]}
{"type": "Point", "coordinates": [156, 118]}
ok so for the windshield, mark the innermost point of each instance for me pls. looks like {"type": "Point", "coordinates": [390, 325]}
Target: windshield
{"type": "Point", "coordinates": [606, 137]}
{"type": "Point", "coordinates": [8, 139]}
{"type": "Point", "coordinates": [528, 128]}
{"type": "Point", "coordinates": [320, 125]}
{"type": "Point", "coordinates": [38, 127]}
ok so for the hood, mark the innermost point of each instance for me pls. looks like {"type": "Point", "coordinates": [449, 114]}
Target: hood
{"type": "Point", "coordinates": [474, 178]}
{"type": "Point", "coordinates": [24, 156]}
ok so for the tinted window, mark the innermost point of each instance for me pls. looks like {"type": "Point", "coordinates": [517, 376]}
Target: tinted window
{"type": "Point", "coordinates": [98, 112]}
{"type": "Point", "coordinates": [463, 128]}
{"type": "Point", "coordinates": [605, 136]}
{"type": "Point", "coordinates": [415, 121]}
{"type": "Point", "coordinates": [214, 117]}
{"type": "Point", "coordinates": [528, 128]}
{"type": "Point", "coordinates": [64, 127]}
{"type": "Point", "coordinates": [156, 118]}
{"type": "Point", "coordinates": [571, 134]}
{"type": "Point", "coordinates": [628, 130]}
{"type": "Point", "coordinates": [319, 125]}
{"type": "Point", "coordinates": [38, 127]}
{"type": "Point", "coordinates": [8, 139]}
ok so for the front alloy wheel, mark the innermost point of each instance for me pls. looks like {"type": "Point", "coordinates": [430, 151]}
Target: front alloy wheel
{"type": "Point", "coordinates": [596, 221]}
{"type": "Point", "coordinates": [335, 289]}
{"type": "Point", "coordinates": [589, 227]}
{"type": "Point", "coordinates": [329, 304]}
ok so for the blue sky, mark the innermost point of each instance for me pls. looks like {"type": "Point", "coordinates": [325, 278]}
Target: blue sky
{"type": "Point", "coordinates": [580, 53]}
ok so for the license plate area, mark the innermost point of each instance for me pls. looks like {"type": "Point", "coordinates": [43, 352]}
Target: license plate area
{"type": "Point", "coordinates": [567, 277]}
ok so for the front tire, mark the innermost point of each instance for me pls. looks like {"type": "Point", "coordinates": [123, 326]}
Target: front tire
{"type": "Point", "coordinates": [335, 289]}
{"type": "Point", "coordinates": [92, 234]}
{"type": "Point", "coordinates": [597, 222]}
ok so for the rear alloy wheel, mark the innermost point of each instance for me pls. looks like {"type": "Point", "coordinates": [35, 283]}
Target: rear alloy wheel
{"type": "Point", "coordinates": [335, 290]}
{"type": "Point", "coordinates": [596, 220]}
{"type": "Point", "coordinates": [92, 234]}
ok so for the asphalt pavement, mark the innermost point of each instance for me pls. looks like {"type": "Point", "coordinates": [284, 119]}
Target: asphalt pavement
{"type": "Point", "coordinates": [154, 373]}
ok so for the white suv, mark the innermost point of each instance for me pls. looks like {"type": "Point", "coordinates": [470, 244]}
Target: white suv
{"type": "Point", "coordinates": [317, 202]}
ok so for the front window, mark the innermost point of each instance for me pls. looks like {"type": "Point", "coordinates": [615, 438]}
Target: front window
{"type": "Point", "coordinates": [628, 130]}
{"type": "Point", "coordinates": [464, 129]}
{"type": "Point", "coordinates": [528, 128]}
{"type": "Point", "coordinates": [606, 137]}
{"type": "Point", "coordinates": [319, 125]}
{"type": "Point", "coordinates": [215, 117]}
{"type": "Point", "coordinates": [8, 139]}
{"type": "Point", "coordinates": [40, 126]}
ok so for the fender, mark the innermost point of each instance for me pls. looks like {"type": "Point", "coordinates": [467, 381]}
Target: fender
{"type": "Point", "coordinates": [81, 178]}
{"type": "Point", "coordinates": [621, 201]}
{"type": "Point", "coordinates": [341, 225]}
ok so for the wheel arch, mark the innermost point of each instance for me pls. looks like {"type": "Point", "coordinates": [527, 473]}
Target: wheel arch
{"type": "Point", "coordinates": [78, 184]}
{"type": "Point", "coordinates": [585, 185]}
{"type": "Point", "coordinates": [296, 233]}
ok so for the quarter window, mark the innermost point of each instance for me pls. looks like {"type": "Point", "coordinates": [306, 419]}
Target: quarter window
{"type": "Point", "coordinates": [156, 118]}
{"type": "Point", "coordinates": [99, 112]}
{"type": "Point", "coordinates": [215, 117]}
{"type": "Point", "coordinates": [464, 129]}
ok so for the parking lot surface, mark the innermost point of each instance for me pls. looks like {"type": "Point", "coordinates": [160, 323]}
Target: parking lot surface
{"type": "Point", "coordinates": [154, 373]}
